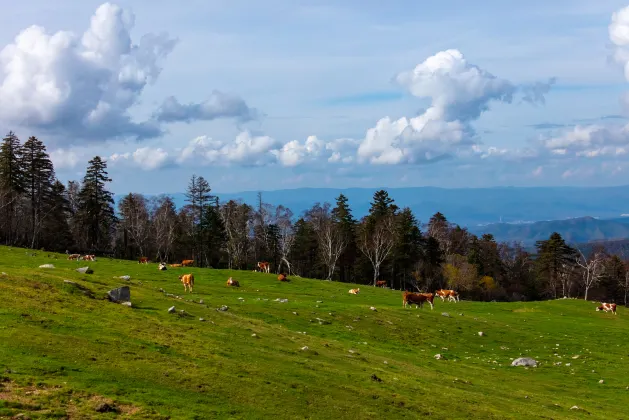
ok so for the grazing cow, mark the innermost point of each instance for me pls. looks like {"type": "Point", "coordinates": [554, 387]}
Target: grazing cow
{"type": "Point", "coordinates": [264, 266]}
{"type": "Point", "coordinates": [232, 282]}
{"type": "Point", "coordinates": [354, 291]}
{"type": "Point", "coordinates": [176, 265]}
{"type": "Point", "coordinates": [418, 299]}
{"type": "Point", "coordinates": [186, 263]}
{"type": "Point", "coordinates": [381, 283]}
{"type": "Point", "coordinates": [143, 260]}
{"type": "Point", "coordinates": [188, 281]}
{"type": "Point", "coordinates": [282, 277]}
{"type": "Point", "coordinates": [607, 307]}
{"type": "Point", "coordinates": [450, 294]}
{"type": "Point", "coordinates": [74, 256]}
{"type": "Point", "coordinates": [89, 257]}
{"type": "Point", "coordinates": [162, 267]}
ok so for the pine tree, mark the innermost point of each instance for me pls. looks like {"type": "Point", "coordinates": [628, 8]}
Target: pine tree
{"type": "Point", "coordinates": [11, 185]}
{"type": "Point", "coordinates": [199, 198]}
{"type": "Point", "coordinates": [56, 232]}
{"type": "Point", "coordinates": [342, 214]}
{"type": "Point", "coordinates": [553, 257]}
{"type": "Point", "coordinates": [382, 205]}
{"type": "Point", "coordinates": [408, 246]}
{"type": "Point", "coordinates": [95, 213]}
{"type": "Point", "coordinates": [38, 176]}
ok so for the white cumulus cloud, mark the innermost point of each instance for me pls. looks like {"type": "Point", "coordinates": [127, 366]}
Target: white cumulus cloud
{"type": "Point", "coordinates": [459, 93]}
{"type": "Point", "coordinates": [82, 87]}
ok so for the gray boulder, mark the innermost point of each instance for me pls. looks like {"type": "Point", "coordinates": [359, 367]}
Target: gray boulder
{"type": "Point", "coordinates": [524, 361]}
{"type": "Point", "coordinates": [121, 294]}
{"type": "Point", "coordinates": [85, 270]}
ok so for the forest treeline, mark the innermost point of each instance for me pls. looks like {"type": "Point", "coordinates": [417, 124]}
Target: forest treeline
{"type": "Point", "coordinates": [325, 242]}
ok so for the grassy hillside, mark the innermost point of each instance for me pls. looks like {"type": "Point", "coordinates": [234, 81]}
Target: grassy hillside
{"type": "Point", "coordinates": [577, 230]}
{"type": "Point", "coordinates": [64, 353]}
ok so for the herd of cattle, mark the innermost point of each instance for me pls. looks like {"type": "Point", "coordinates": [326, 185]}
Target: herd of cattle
{"type": "Point", "coordinates": [408, 298]}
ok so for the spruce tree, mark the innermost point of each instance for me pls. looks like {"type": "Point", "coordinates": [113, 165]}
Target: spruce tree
{"type": "Point", "coordinates": [56, 232]}
{"type": "Point", "coordinates": [38, 179]}
{"type": "Point", "coordinates": [11, 185]}
{"type": "Point", "coordinates": [95, 211]}
{"type": "Point", "coordinates": [342, 214]}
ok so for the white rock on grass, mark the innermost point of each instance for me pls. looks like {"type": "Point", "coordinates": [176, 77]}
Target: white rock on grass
{"type": "Point", "coordinates": [171, 310]}
{"type": "Point", "coordinates": [481, 334]}
{"type": "Point", "coordinates": [524, 361]}
{"type": "Point", "coordinates": [46, 266]}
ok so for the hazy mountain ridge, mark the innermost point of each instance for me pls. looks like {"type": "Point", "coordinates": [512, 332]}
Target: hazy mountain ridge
{"type": "Point", "coordinates": [577, 230]}
{"type": "Point", "coordinates": [469, 207]}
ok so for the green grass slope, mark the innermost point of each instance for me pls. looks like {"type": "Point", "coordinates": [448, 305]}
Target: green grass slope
{"type": "Point", "coordinates": [63, 353]}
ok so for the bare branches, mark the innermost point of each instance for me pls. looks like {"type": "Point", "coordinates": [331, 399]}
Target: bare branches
{"type": "Point", "coordinates": [286, 235]}
{"type": "Point", "coordinates": [377, 242]}
{"type": "Point", "coordinates": [593, 269]}
{"type": "Point", "coordinates": [330, 237]}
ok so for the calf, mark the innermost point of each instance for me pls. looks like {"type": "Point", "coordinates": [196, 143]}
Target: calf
{"type": "Point", "coordinates": [89, 257]}
{"type": "Point", "coordinates": [232, 282]}
{"type": "Point", "coordinates": [282, 277]}
{"type": "Point", "coordinates": [186, 263]}
{"type": "Point", "coordinates": [74, 256]}
{"type": "Point", "coordinates": [143, 260]}
{"type": "Point", "coordinates": [607, 307]}
{"type": "Point", "coordinates": [354, 291]}
{"type": "Point", "coordinates": [450, 294]}
{"type": "Point", "coordinates": [418, 299]}
{"type": "Point", "coordinates": [176, 265]}
{"type": "Point", "coordinates": [162, 267]}
{"type": "Point", "coordinates": [381, 283]}
{"type": "Point", "coordinates": [188, 281]}
{"type": "Point", "coordinates": [264, 266]}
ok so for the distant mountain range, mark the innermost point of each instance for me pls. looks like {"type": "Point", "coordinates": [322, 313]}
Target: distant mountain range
{"type": "Point", "coordinates": [509, 213]}
{"type": "Point", "coordinates": [466, 206]}
{"type": "Point", "coordinates": [574, 231]}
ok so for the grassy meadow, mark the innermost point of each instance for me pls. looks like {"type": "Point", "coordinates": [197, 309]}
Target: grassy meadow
{"type": "Point", "coordinates": [63, 353]}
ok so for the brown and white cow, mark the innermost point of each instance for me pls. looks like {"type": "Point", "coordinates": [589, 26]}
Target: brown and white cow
{"type": "Point", "coordinates": [607, 307]}
{"type": "Point", "coordinates": [186, 263]}
{"type": "Point", "coordinates": [143, 260]}
{"type": "Point", "coordinates": [381, 283]}
{"type": "Point", "coordinates": [451, 295]}
{"type": "Point", "coordinates": [74, 256]}
{"type": "Point", "coordinates": [418, 299]}
{"type": "Point", "coordinates": [354, 291]}
{"type": "Point", "coordinates": [264, 266]}
{"type": "Point", "coordinates": [282, 277]}
{"type": "Point", "coordinates": [188, 281]}
{"type": "Point", "coordinates": [232, 282]}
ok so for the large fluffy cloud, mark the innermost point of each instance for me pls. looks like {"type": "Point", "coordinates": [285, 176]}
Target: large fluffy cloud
{"type": "Point", "coordinates": [459, 93]}
{"type": "Point", "coordinates": [83, 87]}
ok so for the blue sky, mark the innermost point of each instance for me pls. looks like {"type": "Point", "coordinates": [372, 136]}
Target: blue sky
{"type": "Point", "coordinates": [275, 94]}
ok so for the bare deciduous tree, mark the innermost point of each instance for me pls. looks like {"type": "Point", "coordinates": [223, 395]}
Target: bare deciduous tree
{"type": "Point", "coordinates": [566, 276]}
{"type": "Point", "coordinates": [164, 218]}
{"type": "Point", "coordinates": [377, 242]}
{"type": "Point", "coordinates": [592, 269]}
{"type": "Point", "coordinates": [286, 238]}
{"type": "Point", "coordinates": [236, 219]}
{"type": "Point", "coordinates": [330, 238]}
{"type": "Point", "coordinates": [135, 220]}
